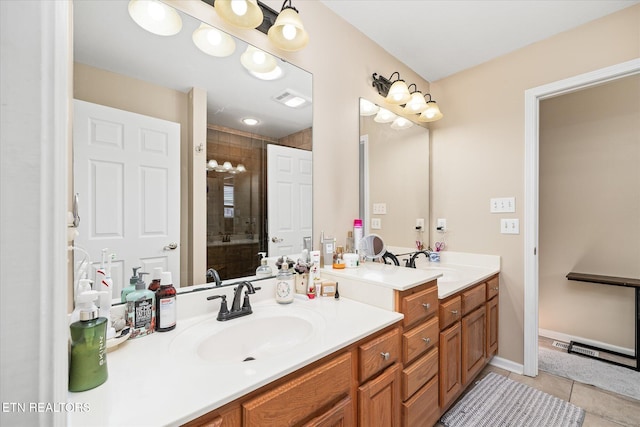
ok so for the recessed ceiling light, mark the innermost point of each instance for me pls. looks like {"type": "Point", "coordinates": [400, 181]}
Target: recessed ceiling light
{"type": "Point", "coordinates": [249, 121]}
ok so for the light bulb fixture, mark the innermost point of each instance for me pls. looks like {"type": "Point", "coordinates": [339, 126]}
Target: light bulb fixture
{"type": "Point", "coordinates": [401, 123]}
{"type": "Point", "coordinates": [250, 121]}
{"type": "Point", "coordinates": [212, 41]}
{"type": "Point", "coordinates": [368, 108]}
{"type": "Point", "coordinates": [258, 61]}
{"type": "Point", "coordinates": [384, 116]}
{"type": "Point", "coordinates": [416, 104]}
{"type": "Point", "coordinates": [275, 74]}
{"type": "Point", "coordinates": [432, 113]}
{"type": "Point", "coordinates": [213, 165]}
{"type": "Point", "coordinates": [155, 17]}
{"type": "Point", "coordinates": [395, 91]}
{"type": "Point", "coordinates": [241, 13]}
{"type": "Point", "coordinates": [288, 32]}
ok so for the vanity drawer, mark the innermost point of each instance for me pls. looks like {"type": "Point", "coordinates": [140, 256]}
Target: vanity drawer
{"type": "Point", "coordinates": [419, 306]}
{"type": "Point", "coordinates": [472, 298]}
{"type": "Point", "coordinates": [450, 312]}
{"type": "Point", "coordinates": [422, 409]}
{"type": "Point", "coordinates": [419, 340]}
{"type": "Point", "coordinates": [377, 354]}
{"type": "Point", "coordinates": [418, 373]}
{"type": "Point", "coordinates": [492, 288]}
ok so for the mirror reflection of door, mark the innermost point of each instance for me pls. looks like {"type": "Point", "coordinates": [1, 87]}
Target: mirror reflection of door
{"type": "Point", "coordinates": [127, 176]}
{"type": "Point", "coordinates": [289, 195]}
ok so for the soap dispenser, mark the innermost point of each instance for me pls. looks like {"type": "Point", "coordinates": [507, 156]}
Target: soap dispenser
{"type": "Point", "coordinates": [88, 361]}
{"type": "Point", "coordinates": [141, 309]}
{"type": "Point", "coordinates": [263, 270]}
{"type": "Point", "coordinates": [132, 285]}
{"type": "Point", "coordinates": [285, 282]}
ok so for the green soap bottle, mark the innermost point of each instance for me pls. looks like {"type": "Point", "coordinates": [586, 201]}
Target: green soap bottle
{"type": "Point", "coordinates": [132, 285]}
{"type": "Point", "coordinates": [141, 309]}
{"type": "Point", "coordinates": [88, 361]}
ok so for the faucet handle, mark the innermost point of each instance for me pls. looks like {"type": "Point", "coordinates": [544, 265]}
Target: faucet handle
{"type": "Point", "coordinates": [224, 310]}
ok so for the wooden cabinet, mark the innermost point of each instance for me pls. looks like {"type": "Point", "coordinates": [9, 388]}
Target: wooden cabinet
{"type": "Point", "coordinates": [473, 344]}
{"type": "Point", "coordinates": [377, 354]}
{"type": "Point", "coordinates": [340, 415]}
{"type": "Point", "coordinates": [450, 311]}
{"type": "Point", "coordinates": [422, 409]}
{"type": "Point", "coordinates": [379, 400]}
{"type": "Point", "coordinates": [227, 416]}
{"type": "Point", "coordinates": [450, 364]}
{"type": "Point", "coordinates": [492, 317]}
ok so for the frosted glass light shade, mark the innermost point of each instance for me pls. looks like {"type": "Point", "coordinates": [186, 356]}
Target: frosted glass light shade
{"type": "Point", "coordinates": [155, 17]}
{"type": "Point", "coordinates": [368, 108]}
{"type": "Point", "coordinates": [241, 13]}
{"type": "Point", "coordinates": [288, 33]}
{"type": "Point", "coordinates": [258, 61]}
{"type": "Point", "coordinates": [416, 104]}
{"type": "Point", "coordinates": [213, 41]}
{"type": "Point", "coordinates": [398, 93]}
{"type": "Point", "coordinates": [432, 113]}
{"type": "Point", "coordinates": [384, 116]}
{"type": "Point", "coordinates": [401, 123]}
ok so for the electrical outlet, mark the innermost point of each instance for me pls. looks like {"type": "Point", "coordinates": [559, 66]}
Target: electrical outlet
{"type": "Point", "coordinates": [441, 225]}
{"type": "Point", "coordinates": [420, 223]}
{"type": "Point", "coordinates": [510, 226]}
{"type": "Point", "coordinates": [502, 205]}
{"type": "Point", "coordinates": [376, 223]}
{"type": "Point", "coordinates": [379, 208]}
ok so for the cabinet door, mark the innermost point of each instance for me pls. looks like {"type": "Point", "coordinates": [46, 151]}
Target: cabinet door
{"type": "Point", "coordinates": [340, 415]}
{"type": "Point", "coordinates": [492, 326]}
{"type": "Point", "coordinates": [379, 400]}
{"type": "Point", "coordinates": [302, 397]}
{"type": "Point", "coordinates": [473, 344]}
{"type": "Point", "coordinates": [450, 366]}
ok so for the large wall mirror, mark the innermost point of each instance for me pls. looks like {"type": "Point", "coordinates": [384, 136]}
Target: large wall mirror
{"type": "Point", "coordinates": [223, 160]}
{"type": "Point", "coordinates": [394, 178]}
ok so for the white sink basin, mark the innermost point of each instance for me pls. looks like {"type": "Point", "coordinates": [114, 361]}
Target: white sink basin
{"type": "Point", "coordinates": [271, 331]}
{"type": "Point", "coordinates": [448, 274]}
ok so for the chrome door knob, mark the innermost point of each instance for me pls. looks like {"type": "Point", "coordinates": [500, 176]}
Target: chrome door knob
{"type": "Point", "coordinates": [171, 246]}
{"type": "Point", "coordinates": [276, 240]}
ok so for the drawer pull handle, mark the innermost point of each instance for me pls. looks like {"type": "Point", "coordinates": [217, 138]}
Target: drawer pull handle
{"type": "Point", "coordinates": [426, 340]}
{"type": "Point", "coordinates": [426, 305]}
{"type": "Point", "coordinates": [454, 312]}
{"type": "Point", "coordinates": [385, 356]}
{"type": "Point", "coordinates": [496, 288]}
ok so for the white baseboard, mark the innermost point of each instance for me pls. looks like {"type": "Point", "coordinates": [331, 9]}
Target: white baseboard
{"type": "Point", "coordinates": [567, 338]}
{"type": "Point", "coordinates": [499, 362]}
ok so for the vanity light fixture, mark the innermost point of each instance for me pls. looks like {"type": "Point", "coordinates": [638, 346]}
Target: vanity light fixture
{"type": "Point", "coordinates": [395, 91]}
{"type": "Point", "coordinates": [213, 165]}
{"type": "Point", "coordinates": [416, 104]}
{"type": "Point", "coordinates": [155, 17]}
{"type": "Point", "coordinates": [384, 116]}
{"type": "Point", "coordinates": [275, 74]}
{"type": "Point", "coordinates": [432, 113]}
{"type": "Point", "coordinates": [212, 41]}
{"type": "Point", "coordinates": [288, 32]}
{"type": "Point", "coordinates": [368, 108]}
{"type": "Point", "coordinates": [241, 13]}
{"type": "Point", "coordinates": [401, 123]}
{"type": "Point", "coordinates": [258, 61]}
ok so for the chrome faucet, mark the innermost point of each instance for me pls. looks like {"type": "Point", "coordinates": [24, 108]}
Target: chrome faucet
{"type": "Point", "coordinates": [236, 309]}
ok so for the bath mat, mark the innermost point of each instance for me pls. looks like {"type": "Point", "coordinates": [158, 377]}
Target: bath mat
{"type": "Point", "coordinates": [498, 401]}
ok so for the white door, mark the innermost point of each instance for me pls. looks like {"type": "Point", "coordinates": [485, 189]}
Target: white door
{"type": "Point", "coordinates": [126, 169]}
{"type": "Point", "coordinates": [289, 199]}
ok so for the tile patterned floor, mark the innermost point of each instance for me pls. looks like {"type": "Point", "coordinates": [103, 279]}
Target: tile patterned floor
{"type": "Point", "coordinates": [604, 409]}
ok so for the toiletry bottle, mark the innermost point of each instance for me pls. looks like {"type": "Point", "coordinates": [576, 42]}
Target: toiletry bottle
{"type": "Point", "coordinates": [285, 285]}
{"type": "Point", "coordinates": [132, 285]}
{"type": "Point", "coordinates": [155, 279]}
{"type": "Point", "coordinates": [321, 249]}
{"type": "Point", "coordinates": [357, 234]}
{"type": "Point", "coordinates": [166, 304]}
{"type": "Point", "coordinates": [263, 270]}
{"type": "Point", "coordinates": [141, 309]}
{"type": "Point", "coordinates": [88, 361]}
{"type": "Point", "coordinates": [349, 243]}
{"type": "Point", "coordinates": [84, 285]}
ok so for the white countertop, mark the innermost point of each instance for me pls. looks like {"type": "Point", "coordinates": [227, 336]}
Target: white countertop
{"type": "Point", "coordinates": [151, 383]}
{"type": "Point", "coordinates": [385, 275]}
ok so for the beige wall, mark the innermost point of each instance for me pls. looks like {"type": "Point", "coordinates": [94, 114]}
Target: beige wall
{"type": "Point", "coordinates": [398, 177]}
{"type": "Point", "coordinates": [478, 147]}
{"type": "Point", "coordinates": [590, 210]}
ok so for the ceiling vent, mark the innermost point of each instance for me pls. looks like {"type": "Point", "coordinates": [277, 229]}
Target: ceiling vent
{"type": "Point", "coordinates": [292, 99]}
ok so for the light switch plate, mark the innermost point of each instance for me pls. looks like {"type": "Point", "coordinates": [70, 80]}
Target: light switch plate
{"type": "Point", "coordinates": [510, 226]}
{"type": "Point", "coordinates": [379, 208]}
{"type": "Point", "coordinates": [376, 223]}
{"type": "Point", "coordinates": [502, 204]}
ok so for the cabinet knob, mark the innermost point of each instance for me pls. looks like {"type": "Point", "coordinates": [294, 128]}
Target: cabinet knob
{"type": "Point", "coordinates": [385, 356]}
{"type": "Point", "coordinates": [426, 305]}
{"type": "Point", "coordinates": [426, 340]}
{"type": "Point", "coordinates": [496, 288]}
{"type": "Point", "coordinates": [454, 312]}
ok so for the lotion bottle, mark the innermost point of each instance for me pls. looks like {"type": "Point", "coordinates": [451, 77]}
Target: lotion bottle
{"type": "Point", "coordinates": [285, 285]}
{"type": "Point", "coordinates": [88, 360]}
{"type": "Point", "coordinates": [166, 304]}
{"type": "Point", "coordinates": [132, 285]}
{"type": "Point", "coordinates": [263, 270]}
{"type": "Point", "coordinates": [141, 309]}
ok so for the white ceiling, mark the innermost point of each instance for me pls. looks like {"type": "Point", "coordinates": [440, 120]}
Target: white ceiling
{"type": "Point", "coordinates": [437, 38]}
